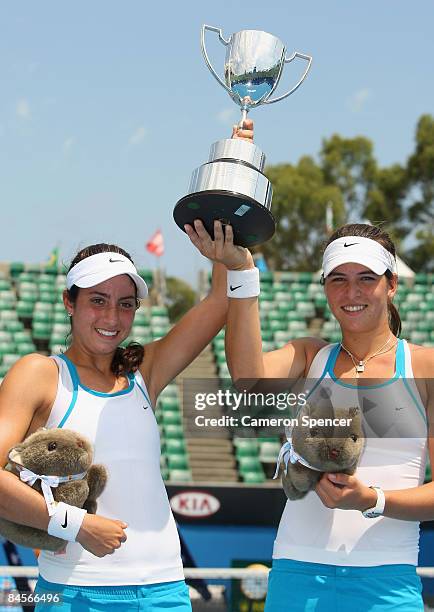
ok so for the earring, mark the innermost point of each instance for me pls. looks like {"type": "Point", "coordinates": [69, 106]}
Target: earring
{"type": "Point", "coordinates": [69, 314]}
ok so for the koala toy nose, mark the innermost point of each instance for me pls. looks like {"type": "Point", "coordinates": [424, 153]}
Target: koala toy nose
{"type": "Point", "coordinates": [334, 453]}
{"type": "Point", "coordinates": [80, 444]}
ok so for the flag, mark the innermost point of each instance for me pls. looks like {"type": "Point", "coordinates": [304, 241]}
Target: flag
{"type": "Point", "coordinates": [156, 244]}
{"type": "Point", "coordinates": [53, 258]}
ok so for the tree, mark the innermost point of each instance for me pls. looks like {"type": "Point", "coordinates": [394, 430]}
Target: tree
{"type": "Point", "coordinates": [299, 207]}
{"type": "Point", "coordinates": [349, 164]}
{"type": "Point", "coordinates": [180, 297]}
{"type": "Point", "coordinates": [385, 200]}
{"type": "Point", "coordinates": [420, 169]}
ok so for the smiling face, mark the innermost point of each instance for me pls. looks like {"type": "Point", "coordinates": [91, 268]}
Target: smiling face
{"type": "Point", "coordinates": [103, 315]}
{"type": "Point", "coordinates": [358, 297]}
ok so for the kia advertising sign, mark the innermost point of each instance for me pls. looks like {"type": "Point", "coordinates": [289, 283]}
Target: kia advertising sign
{"type": "Point", "coordinates": [194, 504]}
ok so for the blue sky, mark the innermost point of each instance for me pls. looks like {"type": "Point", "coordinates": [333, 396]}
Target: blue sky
{"type": "Point", "coordinates": [107, 107]}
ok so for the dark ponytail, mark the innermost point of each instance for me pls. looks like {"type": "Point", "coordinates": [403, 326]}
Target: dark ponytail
{"type": "Point", "coordinates": [125, 360]}
{"type": "Point", "coordinates": [374, 233]}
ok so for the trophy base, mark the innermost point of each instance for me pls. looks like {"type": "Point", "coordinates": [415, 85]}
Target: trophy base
{"type": "Point", "coordinates": [251, 222]}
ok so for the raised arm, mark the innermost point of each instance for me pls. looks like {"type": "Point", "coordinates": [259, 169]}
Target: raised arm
{"type": "Point", "coordinates": [164, 359]}
{"type": "Point", "coordinates": [243, 331]}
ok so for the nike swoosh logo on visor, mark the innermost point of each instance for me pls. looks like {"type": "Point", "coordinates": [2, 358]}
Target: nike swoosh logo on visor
{"type": "Point", "coordinates": [351, 244]}
{"type": "Point", "coordinates": [115, 260]}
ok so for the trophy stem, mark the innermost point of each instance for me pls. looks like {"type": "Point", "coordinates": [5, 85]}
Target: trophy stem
{"type": "Point", "coordinates": [244, 112]}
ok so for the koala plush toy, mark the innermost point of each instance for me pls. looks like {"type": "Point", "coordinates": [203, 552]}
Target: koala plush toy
{"type": "Point", "coordinates": [324, 439]}
{"type": "Point", "coordinates": [58, 464]}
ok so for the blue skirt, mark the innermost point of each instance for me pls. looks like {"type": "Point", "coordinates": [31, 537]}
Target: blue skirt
{"type": "Point", "coordinates": [172, 596]}
{"type": "Point", "coordinates": [298, 586]}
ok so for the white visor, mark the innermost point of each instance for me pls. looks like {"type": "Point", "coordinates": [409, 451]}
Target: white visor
{"type": "Point", "coordinates": [354, 249]}
{"type": "Point", "coordinates": [98, 268]}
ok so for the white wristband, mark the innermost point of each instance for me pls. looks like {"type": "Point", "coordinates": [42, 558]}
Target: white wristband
{"type": "Point", "coordinates": [243, 283]}
{"type": "Point", "coordinates": [66, 522]}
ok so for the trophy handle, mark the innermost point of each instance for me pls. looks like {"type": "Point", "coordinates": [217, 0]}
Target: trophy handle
{"type": "Point", "coordinates": [205, 54]}
{"type": "Point", "coordinates": [308, 58]}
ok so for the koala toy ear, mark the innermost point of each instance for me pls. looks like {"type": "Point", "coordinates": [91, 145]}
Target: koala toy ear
{"type": "Point", "coordinates": [15, 454]}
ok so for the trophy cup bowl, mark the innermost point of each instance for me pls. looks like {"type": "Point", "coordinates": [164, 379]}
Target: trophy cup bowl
{"type": "Point", "coordinates": [231, 186]}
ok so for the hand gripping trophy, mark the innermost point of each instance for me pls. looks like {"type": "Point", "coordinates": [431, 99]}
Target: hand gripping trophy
{"type": "Point", "coordinates": [231, 186]}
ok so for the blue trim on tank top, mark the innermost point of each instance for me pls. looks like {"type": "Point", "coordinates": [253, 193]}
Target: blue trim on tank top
{"type": "Point", "coordinates": [71, 367]}
{"type": "Point", "coordinates": [399, 368]}
{"type": "Point", "coordinates": [143, 391]}
{"type": "Point", "coordinates": [399, 373]}
{"type": "Point", "coordinates": [74, 378]}
{"type": "Point", "coordinates": [326, 369]}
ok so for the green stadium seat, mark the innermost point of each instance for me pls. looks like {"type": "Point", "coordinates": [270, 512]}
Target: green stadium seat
{"type": "Point", "coordinates": [282, 337]}
{"type": "Point", "coordinates": [177, 462]}
{"type": "Point", "coordinates": [170, 391]}
{"type": "Point", "coordinates": [269, 451]}
{"type": "Point", "coordinates": [7, 347]}
{"type": "Point", "coordinates": [169, 404]}
{"type": "Point", "coordinates": [307, 309]}
{"type": "Point", "coordinates": [276, 315]}
{"type": "Point", "coordinates": [283, 296]}
{"type": "Point", "coordinates": [158, 311]}
{"type": "Point", "coordinates": [41, 330]}
{"type": "Point", "coordinates": [24, 348]}
{"type": "Point", "coordinates": [9, 359]}
{"type": "Point", "coordinates": [21, 336]}
{"type": "Point", "coordinates": [419, 337]}
{"type": "Point", "coordinates": [16, 268]}
{"type": "Point", "coordinates": [246, 451]}
{"type": "Point", "coordinates": [173, 431]}
{"type": "Point", "coordinates": [48, 297]}
{"type": "Point", "coordinates": [5, 285]}
{"type": "Point", "coordinates": [14, 325]}
{"type": "Point", "coordinates": [253, 477]}
{"type": "Point", "coordinates": [296, 316]}
{"type": "Point", "coordinates": [175, 446]}
{"type": "Point", "coordinates": [421, 279]}
{"type": "Point", "coordinates": [180, 476]}
{"type": "Point", "coordinates": [248, 463]}
{"type": "Point", "coordinates": [42, 316]}
{"type": "Point", "coordinates": [266, 277]}
{"type": "Point", "coordinates": [24, 309]}
{"type": "Point", "coordinates": [8, 316]}
{"type": "Point", "coordinates": [268, 345]}
{"type": "Point", "coordinates": [297, 326]}
{"type": "Point", "coordinates": [278, 326]}
{"type": "Point", "coordinates": [305, 277]}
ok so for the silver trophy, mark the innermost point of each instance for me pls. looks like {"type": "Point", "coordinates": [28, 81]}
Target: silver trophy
{"type": "Point", "coordinates": [231, 186]}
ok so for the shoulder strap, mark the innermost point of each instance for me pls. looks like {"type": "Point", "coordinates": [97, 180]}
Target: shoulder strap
{"type": "Point", "coordinates": [66, 392]}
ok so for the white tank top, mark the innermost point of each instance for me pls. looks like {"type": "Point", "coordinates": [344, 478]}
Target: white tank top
{"type": "Point", "coordinates": [309, 531]}
{"type": "Point", "coordinates": [123, 430]}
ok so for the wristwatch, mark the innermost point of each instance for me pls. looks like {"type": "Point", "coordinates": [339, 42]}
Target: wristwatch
{"type": "Point", "coordinates": [378, 509]}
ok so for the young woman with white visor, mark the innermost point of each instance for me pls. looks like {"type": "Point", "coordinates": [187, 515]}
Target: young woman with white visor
{"type": "Point", "coordinates": [352, 544]}
{"type": "Point", "coordinates": [126, 557]}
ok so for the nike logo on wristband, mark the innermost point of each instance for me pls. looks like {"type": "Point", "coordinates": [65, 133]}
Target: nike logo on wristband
{"type": "Point", "coordinates": [65, 524]}
{"type": "Point", "coordinates": [351, 244]}
{"type": "Point", "coordinates": [233, 288]}
{"type": "Point", "coordinates": [115, 260]}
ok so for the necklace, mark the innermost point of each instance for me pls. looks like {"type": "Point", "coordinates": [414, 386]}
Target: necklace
{"type": "Point", "coordinates": [359, 364]}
